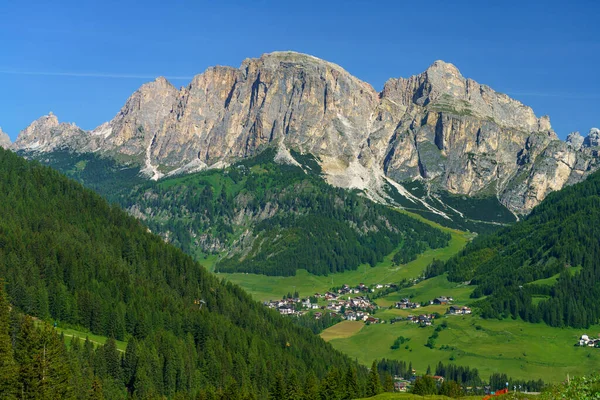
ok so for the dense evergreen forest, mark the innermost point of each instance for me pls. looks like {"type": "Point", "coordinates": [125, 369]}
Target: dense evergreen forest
{"type": "Point", "coordinates": [274, 219]}
{"type": "Point", "coordinates": [560, 238]}
{"type": "Point", "coordinates": [66, 255]}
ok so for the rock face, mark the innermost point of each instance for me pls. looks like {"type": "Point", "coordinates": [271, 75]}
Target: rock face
{"type": "Point", "coordinates": [4, 140]}
{"type": "Point", "coordinates": [449, 131]}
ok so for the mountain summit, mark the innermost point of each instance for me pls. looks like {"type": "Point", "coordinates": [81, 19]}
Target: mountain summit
{"type": "Point", "coordinates": [448, 131]}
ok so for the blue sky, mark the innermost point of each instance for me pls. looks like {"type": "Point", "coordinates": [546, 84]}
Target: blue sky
{"type": "Point", "coordinates": [82, 59]}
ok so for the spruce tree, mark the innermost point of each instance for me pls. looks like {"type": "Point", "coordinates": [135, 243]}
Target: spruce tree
{"type": "Point", "coordinates": [277, 391]}
{"type": "Point", "coordinates": [8, 366]}
{"type": "Point", "coordinates": [373, 382]}
{"type": "Point", "coordinates": [351, 384]}
{"type": "Point", "coordinates": [389, 383]}
{"type": "Point", "coordinates": [293, 391]}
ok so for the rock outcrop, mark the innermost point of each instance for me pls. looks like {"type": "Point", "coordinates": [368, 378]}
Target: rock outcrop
{"type": "Point", "coordinates": [447, 130]}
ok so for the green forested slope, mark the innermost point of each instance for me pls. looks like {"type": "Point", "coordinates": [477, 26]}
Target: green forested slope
{"type": "Point", "coordinates": [561, 233]}
{"type": "Point", "coordinates": [274, 219]}
{"type": "Point", "coordinates": [66, 255]}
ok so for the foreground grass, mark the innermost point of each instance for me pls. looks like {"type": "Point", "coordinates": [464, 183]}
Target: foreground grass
{"type": "Point", "coordinates": [522, 350]}
{"type": "Point", "coordinates": [263, 287]}
{"type": "Point", "coordinates": [408, 396]}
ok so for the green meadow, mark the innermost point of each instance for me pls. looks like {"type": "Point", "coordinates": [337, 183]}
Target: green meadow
{"type": "Point", "coordinates": [70, 333]}
{"type": "Point", "coordinates": [428, 290]}
{"type": "Point", "coordinates": [263, 287]}
{"type": "Point", "coordinates": [97, 340]}
{"type": "Point", "coordinates": [520, 349]}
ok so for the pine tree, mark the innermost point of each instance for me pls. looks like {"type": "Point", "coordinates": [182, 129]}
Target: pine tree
{"type": "Point", "coordinates": [351, 384]}
{"type": "Point", "coordinates": [311, 388]}
{"type": "Point", "coordinates": [424, 385]}
{"type": "Point", "coordinates": [96, 390]}
{"type": "Point", "coordinates": [8, 366]}
{"type": "Point", "coordinates": [112, 359]}
{"type": "Point", "coordinates": [330, 386]}
{"type": "Point", "coordinates": [293, 391]}
{"type": "Point", "coordinates": [130, 363]}
{"type": "Point", "coordinates": [389, 383]}
{"type": "Point", "coordinates": [277, 391]}
{"type": "Point", "coordinates": [373, 382]}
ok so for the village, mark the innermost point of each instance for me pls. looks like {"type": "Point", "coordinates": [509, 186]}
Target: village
{"type": "Point", "coordinates": [358, 308]}
{"type": "Point", "coordinates": [341, 302]}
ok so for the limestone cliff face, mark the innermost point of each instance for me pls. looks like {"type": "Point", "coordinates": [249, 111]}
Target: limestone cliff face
{"type": "Point", "coordinates": [449, 131]}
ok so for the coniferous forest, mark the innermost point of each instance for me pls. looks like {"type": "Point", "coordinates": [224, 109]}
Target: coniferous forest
{"type": "Point", "coordinates": [68, 256]}
{"type": "Point", "coordinates": [274, 219]}
{"type": "Point", "coordinates": [559, 239]}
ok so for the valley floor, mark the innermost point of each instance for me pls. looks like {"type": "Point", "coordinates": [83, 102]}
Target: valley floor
{"type": "Point", "coordinates": [520, 349]}
{"type": "Point", "coordinates": [266, 288]}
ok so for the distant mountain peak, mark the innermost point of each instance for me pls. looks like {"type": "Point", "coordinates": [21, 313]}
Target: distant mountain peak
{"type": "Point", "coordinates": [443, 66]}
{"type": "Point", "coordinates": [4, 139]}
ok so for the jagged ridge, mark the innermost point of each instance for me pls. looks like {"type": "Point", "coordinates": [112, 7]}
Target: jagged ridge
{"type": "Point", "coordinates": [451, 132]}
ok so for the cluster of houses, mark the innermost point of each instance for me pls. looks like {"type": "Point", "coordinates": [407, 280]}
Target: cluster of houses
{"type": "Point", "coordinates": [442, 300]}
{"type": "Point", "coordinates": [406, 304]}
{"type": "Point", "coordinates": [404, 384]}
{"type": "Point", "coordinates": [422, 320]}
{"type": "Point", "coordinates": [585, 340]}
{"type": "Point", "coordinates": [290, 306]}
{"type": "Point", "coordinates": [458, 310]}
{"type": "Point", "coordinates": [352, 308]}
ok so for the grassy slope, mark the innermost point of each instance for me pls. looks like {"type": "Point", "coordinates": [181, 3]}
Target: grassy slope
{"type": "Point", "coordinates": [95, 339]}
{"type": "Point", "coordinates": [274, 287]}
{"type": "Point", "coordinates": [522, 350]}
{"type": "Point", "coordinates": [342, 330]}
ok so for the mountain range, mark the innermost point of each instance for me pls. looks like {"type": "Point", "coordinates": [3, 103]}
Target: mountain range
{"type": "Point", "coordinates": [448, 133]}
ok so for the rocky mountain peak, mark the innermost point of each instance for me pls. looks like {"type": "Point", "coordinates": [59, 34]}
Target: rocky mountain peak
{"type": "Point", "coordinates": [4, 140]}
{"type": "Point", "coordinates": [47, 134]}
{"type": "Point", "coordinates": [575, 140]}
{"type": "Point", "coordinates": [451, 132]}
{"type": "Point", "coordinates": [593, 138]}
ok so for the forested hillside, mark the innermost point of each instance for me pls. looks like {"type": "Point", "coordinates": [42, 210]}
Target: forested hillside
{"type": "Point", "coordinates": [560, 235]}
{"type": "Point", "coordinates": [66, 255]}
{"type": "Point", "coordinates": [274, 219]}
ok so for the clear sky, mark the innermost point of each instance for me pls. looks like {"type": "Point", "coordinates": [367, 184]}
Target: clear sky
{"type": "Point", "coordinates": [82, 59]}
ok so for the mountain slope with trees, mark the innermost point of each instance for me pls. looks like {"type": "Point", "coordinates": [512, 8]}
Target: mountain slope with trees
{"type": "Point", "coordinates": [273, 219]}
{"type": "Point", "coordinates": [559, 235]}
{"type": "Point", "coordinates": [67, 255]}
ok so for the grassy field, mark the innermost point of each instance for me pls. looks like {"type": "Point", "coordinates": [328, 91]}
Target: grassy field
{"type": "Point", "coordinates": [429, 289]}
{"type": "Point", "coordinates": [342, 330]}
{"type": "Point", "coordinates": [520, 349]}
{"type": "Point", "coordinates": [551, 281]}
{"type": "Point", "coordinates": [263, 287]}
